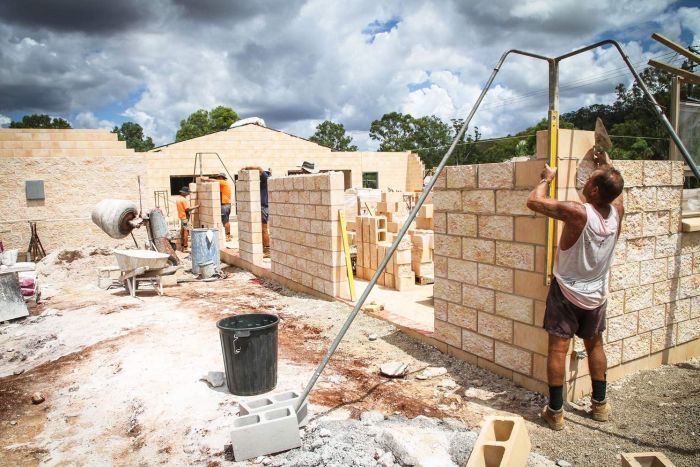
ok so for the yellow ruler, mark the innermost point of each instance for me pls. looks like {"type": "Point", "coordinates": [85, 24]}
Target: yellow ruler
{"type": "Point", "coordinates": [346, 248]}
{"type": "Point", "coordinates": [551, 223]}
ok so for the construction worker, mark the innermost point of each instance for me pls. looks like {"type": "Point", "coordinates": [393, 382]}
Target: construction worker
{"type": "Point", "coordinates": [264, 207]}
{"type": "Point", "coordinates": [225, 193]}
{"type": "Point", "coordinates": [577, 297]}
{"type": "Point", "coordinates": [183, 213]}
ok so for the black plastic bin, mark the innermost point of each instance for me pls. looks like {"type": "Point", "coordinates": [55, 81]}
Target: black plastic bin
{"type": "Point", "coordinates": [249, 345]}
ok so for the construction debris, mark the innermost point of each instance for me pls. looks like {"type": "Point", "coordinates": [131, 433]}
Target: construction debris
{"type": "Point", "coordinates": [431, 372]}
{"type": "Point", "coordinates": [394, 369]}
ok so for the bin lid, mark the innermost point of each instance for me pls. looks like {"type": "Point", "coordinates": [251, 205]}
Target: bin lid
{"type": "Point", "coordinates": [248, 322]}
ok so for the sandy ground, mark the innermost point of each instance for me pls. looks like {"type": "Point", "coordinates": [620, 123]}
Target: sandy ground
{"type": "Point", "coordinates": [121, 378]}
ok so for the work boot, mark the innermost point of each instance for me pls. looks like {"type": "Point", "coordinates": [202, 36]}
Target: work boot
{"type": "Point", "coordinates": [555, 419]}
{"type": "Point", "coordinates": [600, 411]}
{"type": "Point", "coordinates": [228, 238]}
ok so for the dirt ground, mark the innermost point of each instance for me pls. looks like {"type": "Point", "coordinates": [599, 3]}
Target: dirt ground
{"type": "Point", "coordinates": [121, 378]}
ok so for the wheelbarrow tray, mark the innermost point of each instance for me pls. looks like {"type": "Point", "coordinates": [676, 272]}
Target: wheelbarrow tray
{"type": "Point", "coordinates": [131, 260]}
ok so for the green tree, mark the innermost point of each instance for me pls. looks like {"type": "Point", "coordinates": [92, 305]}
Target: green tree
{"type": "Point", "coordinates": [40, 121]}
{"type": "Point", "coordinates": [132, 133]}
{"type": "Point", "coordinates": [202, 122]}
{"type": "Point", "coordinates": [394, 131]}
{"type": "Point", "coordinates": [332, 135]}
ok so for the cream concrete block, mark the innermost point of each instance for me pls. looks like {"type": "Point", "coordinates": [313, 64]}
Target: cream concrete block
{"type": "Point", "coordinates": [515, 255]}
{"type": "Point", "coordinates": [514, 307]}
{"type": "Point", "coordinates": [632, 225]}
{"type": "Point", "coordinates": [495, 277]}
{"type": "Point", "coordinates": [531, 230]}
{"type": "Point", "coordinates": [447, 245]}
{"type": "Point", "coordinates": [636, 347]}
{"type": "Point", "coordinates": [462, 176]}
{"type": "Point", "coordinates": [461, 316]}
{"type": "Point", "coordinates": [512, 202]}
{"type": "Point", "coordinates": [498, 175]}
{"type": "Point", "coordinates": [663, 338]}
{"type": "Point", "coordinates": [616, 303]}
{"type": "Point", "coordinates": [652, 318]}
{"type": "Point", "coordinates": [440, 266]}
{"type": "Point", "coordinates": [482, 251]}
{"type": "Point", "coordinates": [248, 175]}
{"type": "Point", "coordinates": [461, 224]}
{"type": "Point", "coordinates": [689, 286]}
{"type": "Point", "coordinates": [624, 276]}
{"type": "Point", "coordinates": [675, 220]}
{"type": "Point", "coordinates": [642, 199]}
{"type": "Point", "coordinates": [688, 330]}
{"type": "Point", "coordinates": [678, 266]}
{"type": "Point", "coordinates": [448, 333]}
{"type": "Point", "coordinates": [656, 223]}
{"type": "Point", "coordinates": [513, 357]}
{"type": "Point", "coordinates": [479, 201]}
{"type": "Point", "coordinates": [638, 298]}
{"type": "Point", "coordinates": [495, 327]}
{"type": "Point", "coordinates": [496, 227]}
{"type": "Point", "coordinates": [449, 290]}
{"type": "Point", "coordinates": [632, 172]}
{"type": "Point", "coordinates": [440, 222]}
{"type": "Point", "coordinates": [657, 173]}
{"type": "Point", "coordinates": [621, 327]}
{"type": "Point", "coordinates": [528, 173]}
{"type": "Point", "coordinates": [533, 338]}
{"type": "Point", "coordinates": [479, 298]}
{"type": "Point", "coordinates": [530, 284]}
{"type": "Point", "coordinates": [668, 245]}
{"type": "Point", "coordinates": [613, 352]}
{"type": "Point", "coordinates": [690, 243]}
{"type": "Point", "coordinates": [298, 182]}
{"type": "Point", "coordinates": [447, 201]}
{"type": "Point", "coordinates": [669, 197]}
{"type": "Point", "coordinates": [666, 291]}
{"type": "Point", "coordinates": [440, 308]}
{"type": "Point", "coordinates": [654, 270]}
{"type": "Point", "coordinates": [477, 344]}
{"type": "Point", "coordinates": [462, 271]}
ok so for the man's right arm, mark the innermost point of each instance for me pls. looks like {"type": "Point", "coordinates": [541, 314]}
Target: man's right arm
{"type": "Point", "coordinates": [251, 167]}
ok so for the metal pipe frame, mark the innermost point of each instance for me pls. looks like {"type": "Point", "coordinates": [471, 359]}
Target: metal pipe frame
{"type": "Point", "coordinates": [414, 212]}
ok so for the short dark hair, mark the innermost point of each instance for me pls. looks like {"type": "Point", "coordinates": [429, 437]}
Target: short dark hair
{"type": "Point", "coordinates": [610, 184]}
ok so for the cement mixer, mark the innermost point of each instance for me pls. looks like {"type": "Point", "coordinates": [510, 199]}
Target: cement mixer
{"type": "Point", "coordinates": [118, 218]}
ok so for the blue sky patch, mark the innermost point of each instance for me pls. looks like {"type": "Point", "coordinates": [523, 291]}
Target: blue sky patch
{"type": "Point", "coordinates": [379, 27]}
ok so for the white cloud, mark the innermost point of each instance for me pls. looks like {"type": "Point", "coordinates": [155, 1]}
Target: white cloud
{"type": "Point", "coordinates": [5, 121]}
{"type": "Point", "coordinates": [296, 63]}
{"type": "Point", "coordinates": [90, 120]}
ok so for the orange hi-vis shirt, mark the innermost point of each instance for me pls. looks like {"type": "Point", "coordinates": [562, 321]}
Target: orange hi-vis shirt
{"type": "Point", "coordinates": [182, 206]}
{"type": "Point", "coordinates": [225, 189]}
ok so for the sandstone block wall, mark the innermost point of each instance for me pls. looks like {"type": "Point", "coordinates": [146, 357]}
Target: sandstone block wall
{"type": "Point", "coordinates": [250, 244]}
{"type": "Point", "coordinates": [490, 272]}
{"type": "Point", "coordinates": [208, 214]}
{"type": "Point", "coordinates": [305, 238]}
{"type": "Point", "coordinates": [79, 168]}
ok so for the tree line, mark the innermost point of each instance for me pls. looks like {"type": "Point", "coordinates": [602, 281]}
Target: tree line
{"type": "Point", "coordinates": [631, 122]}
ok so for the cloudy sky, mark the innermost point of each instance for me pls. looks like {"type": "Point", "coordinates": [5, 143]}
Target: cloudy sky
{"type": "Point", "coordinates": [296, 63]}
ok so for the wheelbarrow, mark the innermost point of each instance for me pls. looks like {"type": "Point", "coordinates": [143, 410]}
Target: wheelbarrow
{"type": "Point", "coordinates": [139, 266]}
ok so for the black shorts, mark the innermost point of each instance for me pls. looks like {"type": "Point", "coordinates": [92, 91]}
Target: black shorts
{"type": "Point", "coordinates": [564, 319]}
{"type": "Point", "coordinates": [265, 214]}
{"type": "Point", "coordinates": [225, 213]}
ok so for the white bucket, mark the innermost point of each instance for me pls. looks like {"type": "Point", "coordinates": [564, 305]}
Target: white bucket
{"type": "Point", "coordinates": [9, 257]}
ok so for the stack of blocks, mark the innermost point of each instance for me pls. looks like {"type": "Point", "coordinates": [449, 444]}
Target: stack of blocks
{"type": "Point", "coordinates": [305, 238]}
{"type": "Point", "coordinates": [394, 208]}
{"type": "Point", "coordinates": [422, 257]}
{"type": "Point", "coordinates": [371, 246]}
{"type": "Point", "coordinates": [424, 219]}
{"type": "Point", "coordinates": [208, 214]}
{"type": "Point", "coordinates": [250, 245]}
{"type": "Point", "coordinates": [490, 259]}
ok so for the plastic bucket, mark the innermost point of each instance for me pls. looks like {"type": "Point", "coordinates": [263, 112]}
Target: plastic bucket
{"type": "Point", "coordinates": [207, 269]}
{"type": "Point", "coordinates": [249, 347]}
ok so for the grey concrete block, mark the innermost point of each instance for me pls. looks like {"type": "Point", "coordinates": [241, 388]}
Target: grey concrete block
{"type": "Point", "coordinates": [264, 433]}
{"type": "Point", "coordinates": [273, 401]}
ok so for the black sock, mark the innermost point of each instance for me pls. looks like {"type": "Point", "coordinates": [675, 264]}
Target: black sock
{"type": "Point", "coordinates": [556, 397]}
{"type": "Point", "coordinates": [599, 390]}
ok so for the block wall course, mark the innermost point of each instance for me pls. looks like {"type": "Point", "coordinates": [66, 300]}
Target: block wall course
{"type": "Point", "coordinates": [305, 236]}
{"type": "Point", "coordinates": [654, 284]}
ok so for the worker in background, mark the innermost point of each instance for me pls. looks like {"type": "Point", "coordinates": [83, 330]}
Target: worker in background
{"type": "Point", "coordinates": [577, 297]}
{"type": "Point", "coordinates": [183, 213]}
{"type": "Point", "coordinates": [225, 193]}
{"type": "Point", "coordinates": [264, 207]}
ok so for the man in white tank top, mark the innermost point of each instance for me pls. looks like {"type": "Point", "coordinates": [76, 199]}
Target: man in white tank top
{"type": "Point", "coordinates": [577, 298]}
